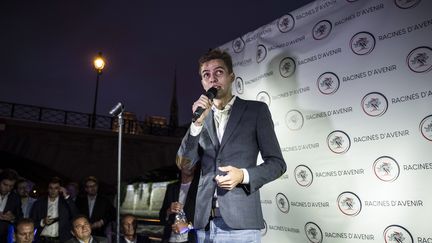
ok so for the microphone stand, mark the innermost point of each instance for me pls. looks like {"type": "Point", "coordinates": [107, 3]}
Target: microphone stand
{"type": "Point", "coordinates": [118, 111]}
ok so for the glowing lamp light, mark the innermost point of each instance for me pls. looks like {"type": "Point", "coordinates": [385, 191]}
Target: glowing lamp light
{"type": "Point", "coordinates": [99, 63]}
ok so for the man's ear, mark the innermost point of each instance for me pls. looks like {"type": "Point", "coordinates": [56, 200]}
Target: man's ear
{"type": "Point", "coordinates": [232, 77]}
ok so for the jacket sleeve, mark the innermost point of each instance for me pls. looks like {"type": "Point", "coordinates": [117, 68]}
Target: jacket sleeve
{"type": "Point", "coordinates": [274, 164]}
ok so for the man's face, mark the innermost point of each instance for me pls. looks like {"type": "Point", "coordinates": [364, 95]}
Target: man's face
{"type": "Point", "coordinates": [214, 73]}
{"type": "Point", "coordinates": [91, 188]}
{"type": "Point", "coordinates": [6, 186]}
{"type": "Point", "coordinates": [23, 189]}
{"type": "Point", "coordinates": [24, 233]}
{"type": "Point", "coordinates": [128, 226]}
{"type": "Point", "coordinates": [81, 229]}
{"type": "Point", "coordinates": [53, 190]}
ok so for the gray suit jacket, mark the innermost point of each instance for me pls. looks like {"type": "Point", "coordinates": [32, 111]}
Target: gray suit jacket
{"type": "Point", "coordinates": [249, 130]}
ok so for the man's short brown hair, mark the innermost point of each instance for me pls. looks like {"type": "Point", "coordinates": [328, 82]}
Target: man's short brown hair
{"type": "Point", "coordinates": [213, 54]}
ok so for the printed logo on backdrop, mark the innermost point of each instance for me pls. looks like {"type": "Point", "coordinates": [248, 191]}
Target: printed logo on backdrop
{"type": "Point", "coordinates": [238, 45]}
{"type": "Point", "coordinates": [282, 203]}
{"type": "Point", "coordinates": [321, 30]}
{"type": "Point", "coordinates": [328, 83]}
{"type": "Point", "coordinates": [404, 4]}
{"type": "Point", "coordinates": [294, 120]}
{"type": "Point", "coordinates": [386, 168]}
{"type": "Point", "coordinates": [313, 232]}
{"type": "Point", "coordinates": [261, 53]}
{"type": "Point", "coordinates": [303, 175]}
{"type": "Point", "coordinates": [338, 142]}
{"type": "Point", "coordinates": [264, 97]}
{"type": "Point", "coordinates": [239, 85]}
{"type": "Point", "coordinates": [362, 43]}
{"type": "Point", "coordinates": [419, 59]}
{"type": "Point", "coordinates": [374, 104]}
{"type": "Point", "coordinates": [287, 67]}
{"type": "Point", "coordinates": [426, 127]}
{"type": "Point", "coordinates": [349, 203]}
{"type": "Point", "coordinates": [286, 23]}
{"type": "Point", "coordinates": [397, 233]}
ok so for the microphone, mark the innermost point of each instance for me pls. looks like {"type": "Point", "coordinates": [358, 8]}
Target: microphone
{"type": "Point", "coordinates": [116, 110]}
{"type": "Point", "coordinates": [211, 93]}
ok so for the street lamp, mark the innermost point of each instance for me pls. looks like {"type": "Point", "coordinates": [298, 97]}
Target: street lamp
{"type": "Point", "coordinates": [99, 64]}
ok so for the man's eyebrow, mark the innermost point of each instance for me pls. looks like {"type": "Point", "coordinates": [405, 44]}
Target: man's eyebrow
{"type": "Point", "coordinates": [218, 67]}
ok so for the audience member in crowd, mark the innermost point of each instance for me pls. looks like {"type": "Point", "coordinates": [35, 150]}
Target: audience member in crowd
{"type": "Point", "coordinates": [96, 207]}
{"type": "Point", "coordinates": [52, 214]}
{"type": "Point", "coordinates": [24, 231]}
{"type": "Point", "coordinates": [23, 188]}
{"type": "Point", "coordinates": [10, 203]}
{"type": "Point", "coordinates": [129, 231]}
{"type": "Point", "coordinates": [180, 196]}
{"type": "Point", "coordinates": [82, 232]}
{"type": "Point", "coordinates": [73, 190]}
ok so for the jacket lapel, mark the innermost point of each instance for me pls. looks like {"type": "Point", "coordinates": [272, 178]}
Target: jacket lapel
{"type": "Point", "coordinates": [236, 113]}
{"type": "Point", "coordinates": [210, 127]}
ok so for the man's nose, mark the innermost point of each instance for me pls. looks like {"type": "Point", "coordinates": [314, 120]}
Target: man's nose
{"type": "Point", "coordinates": [213, 78]}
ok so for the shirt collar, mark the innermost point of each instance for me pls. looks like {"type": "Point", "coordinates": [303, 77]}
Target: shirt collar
{"type": "Point", "coordinates": [227, 106]}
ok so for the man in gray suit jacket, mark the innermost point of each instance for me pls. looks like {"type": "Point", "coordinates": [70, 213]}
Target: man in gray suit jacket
{"type": "Point", "coordinates": [227, 139]}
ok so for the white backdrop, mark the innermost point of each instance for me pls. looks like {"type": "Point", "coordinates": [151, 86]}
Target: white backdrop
{"type": "Point", "coordinates": [349, 86]}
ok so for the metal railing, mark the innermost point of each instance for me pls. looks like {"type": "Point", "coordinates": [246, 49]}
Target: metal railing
{"type": "Point", "coordinates": [84, 120]}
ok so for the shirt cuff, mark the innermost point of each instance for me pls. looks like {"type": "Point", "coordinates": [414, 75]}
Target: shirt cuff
{"type": "Point", "coordinates": [195, 130]}
{"type": "Point", "coordinates": [245, 176]}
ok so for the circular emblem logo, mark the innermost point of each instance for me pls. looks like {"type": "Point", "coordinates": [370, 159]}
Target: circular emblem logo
{"type": "Point", "coordinates": [338, 142]}
{"type": "Point", "coordinates": [239, 85]}
{"type": "Point", "coordinates": [328, 83]}
{"type": "Point", "coordinates": [321, 30]}
{"type": "Point", "coordinates": [282, 203]}
{"type": "Point", "coordinates": [386, 168]}
{"type": "Point", "coordinates": [264, 231]}
{"type": "Point", "coordinates": [261, 53]}
{"type": "Point", "coordinates": [374, 104]}
{"type": "Point", "coordinates": [419, 59]}
{"type": "Point", "coordinates": [286, 23]}
{"type": "Point", "coordinates": [287, 67]}
{"type": "Point", "coordinates": [426, 127]}
{"type": "Point", "coordinates": [397, 233]}
{"type": "Point", "coordinates": [362, 43]}
{"type": "Point", "coordinates": [294, 120]}
{"type": "Point", "coordinates": [349, 203]}
{"type": "Point", "coordinates": [404, 4]}
{"type": "Point", "coordinates": [264, 97]}
{"type": "Point", "coordinates": [238, 45]}
{"type": "Point", "coordinates": [303, 175]}
{"type": "Point", "coordinates": [313, 232]}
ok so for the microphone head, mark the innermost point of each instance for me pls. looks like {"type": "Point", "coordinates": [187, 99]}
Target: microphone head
{"type": "Point", "coordinates": [211, 93]}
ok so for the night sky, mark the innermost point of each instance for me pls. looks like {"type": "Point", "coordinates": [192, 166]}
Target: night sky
{"type": "Point", "coordinates": [47, 49]}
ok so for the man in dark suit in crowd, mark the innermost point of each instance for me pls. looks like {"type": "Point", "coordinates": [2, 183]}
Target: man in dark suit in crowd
{"type": "Point", "coordinates": [10, 202]}
{"type": "Point", "coordinates": [52, 214]}
{"type": "Point", "coordinates": [96, 207]}
{"type": "Point", "coordinates": [129, 230]}
{"type": "Point", "coordinates": [180, 196]}
{"type": "Point", "coordinates": [82, 232]}
{"type": "Point", "coordinates": [24, 231]}
{"type": "Point", "coordinates": [226, 139]}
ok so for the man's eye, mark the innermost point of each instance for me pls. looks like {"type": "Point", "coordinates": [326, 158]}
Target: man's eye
{"type": "Point", "coordinates": [219, 72]}
{"type": "Point", "coordinates": [206, 75]}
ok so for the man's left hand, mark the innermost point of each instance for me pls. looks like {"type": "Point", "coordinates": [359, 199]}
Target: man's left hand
{"type": "Point", "coordinates": [233, 177]}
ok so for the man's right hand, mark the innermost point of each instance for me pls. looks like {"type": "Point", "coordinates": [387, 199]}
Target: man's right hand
{"type": "Point", "coordinates": [205, 103]}
{"type": "Point", "coordinates": [175, 207]}
{"type": "Point", "coordinates": [48, 220]}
